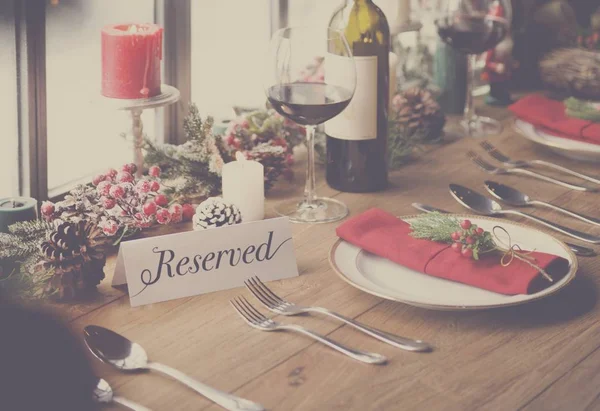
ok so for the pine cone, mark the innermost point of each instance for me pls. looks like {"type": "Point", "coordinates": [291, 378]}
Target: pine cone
{"type": "Point", "coordinates": [418, 113]}
{"type": "Point", "coordinates": [576, 71]}
{"type": "Point", "coordinates": [74, 252]}
{"type": "Point", "coordinates": [215, 212]}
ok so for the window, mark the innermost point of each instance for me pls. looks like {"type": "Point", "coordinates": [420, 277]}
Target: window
{"type": "Point", "coordinates": [229, 41]}
{"type": "Point", "coordinates": [9, 160]}
{"type": "Point", "coordinates": [83, 134]}
{"type": "Point", "coordinates": [57, 131]}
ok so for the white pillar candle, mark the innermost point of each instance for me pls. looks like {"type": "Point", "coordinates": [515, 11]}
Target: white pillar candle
{"type": "Point", "coordinates": [393, 75]}
{"type": "Point", "coordinates": [403, 16]}
{"type": "Point", "coordinates": [244, 186]}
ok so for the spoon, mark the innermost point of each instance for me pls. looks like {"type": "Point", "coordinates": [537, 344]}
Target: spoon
{"type": "Point", "coordinates": [577, 249]}
{"type": "Point", "coordinates": [103, 394]}
{"type": "Point", "coordinates": [516, 198]}
{"type": "Point", "coordinates": [126, 355]}
{"type": "Point", "coordinates": [485, 206]}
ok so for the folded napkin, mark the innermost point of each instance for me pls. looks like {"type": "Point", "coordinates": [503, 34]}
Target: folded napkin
{"type": "Point", "coordinates": [383, 234]}
{"type": "Point", "coordinates": [549, 116]}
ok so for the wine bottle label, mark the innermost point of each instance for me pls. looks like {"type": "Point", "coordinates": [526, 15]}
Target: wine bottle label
{"type": "Point", "coordinates": [359, 120]}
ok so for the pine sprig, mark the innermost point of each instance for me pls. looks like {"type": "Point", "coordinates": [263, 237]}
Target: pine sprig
{"type": "Point", "coordinates": [435, 227]}
{"type": "Point", "coordinates": [465, 237]}
{"type": "Point", "coordinates": [24, 239]}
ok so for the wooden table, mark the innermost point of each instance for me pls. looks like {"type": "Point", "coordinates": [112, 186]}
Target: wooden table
{"type": "Point", "coordinates": [540, 356]}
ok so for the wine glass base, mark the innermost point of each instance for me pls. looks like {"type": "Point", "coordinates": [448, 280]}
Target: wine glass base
{"type": "Point", "coordinates": [480, 126]}
{"type": "Point", "coordinates": [322, 210]}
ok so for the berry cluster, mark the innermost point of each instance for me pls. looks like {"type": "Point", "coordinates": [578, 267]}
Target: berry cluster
{"type": "Point", "coordinates": [468, 239]}
{"type": "Point", "coordinates": [118, 200]}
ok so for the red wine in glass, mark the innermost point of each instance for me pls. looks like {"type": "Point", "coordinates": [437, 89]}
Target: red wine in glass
{"type": "Point", "coordinates": [472, 33]}
{"type": "Point", "coordinates": [309, 103]}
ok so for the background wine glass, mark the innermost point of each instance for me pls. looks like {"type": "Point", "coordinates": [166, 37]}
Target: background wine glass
{"type": "Point", "coordinates": [310, 101]}
{"type": "Point", "coordinates": [473, 27]}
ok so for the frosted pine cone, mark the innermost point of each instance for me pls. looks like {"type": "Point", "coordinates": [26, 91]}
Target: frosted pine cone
{"type": "Point", "coordinates": [215, 212]}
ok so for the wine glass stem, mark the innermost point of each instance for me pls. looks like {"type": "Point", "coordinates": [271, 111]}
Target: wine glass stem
{"type": "Point", "coordinates": [309, 190]}
{"type": "Point", "coordinates": [470, 113]}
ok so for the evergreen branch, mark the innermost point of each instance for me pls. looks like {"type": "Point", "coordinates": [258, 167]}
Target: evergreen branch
{"type": "Point", "coordinates": [434, 226]}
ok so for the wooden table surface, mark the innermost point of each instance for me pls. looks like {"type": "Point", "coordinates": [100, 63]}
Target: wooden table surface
{"type": "Point", "coordinates": [540, 356]}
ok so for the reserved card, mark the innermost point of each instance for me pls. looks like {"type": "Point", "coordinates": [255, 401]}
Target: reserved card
{"type": "Point", "coordinates": [197, 262]}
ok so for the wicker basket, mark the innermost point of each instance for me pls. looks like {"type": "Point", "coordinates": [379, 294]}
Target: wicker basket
{"type": "Point", "coordinates": [574, 71]}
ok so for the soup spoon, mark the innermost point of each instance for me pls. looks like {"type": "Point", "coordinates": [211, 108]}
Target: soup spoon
{"type": "Point", "coordinates": [126, 355]}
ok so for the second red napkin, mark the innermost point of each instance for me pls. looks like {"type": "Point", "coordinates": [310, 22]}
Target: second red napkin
{"type": "Point", "coordinates": [549, 115]}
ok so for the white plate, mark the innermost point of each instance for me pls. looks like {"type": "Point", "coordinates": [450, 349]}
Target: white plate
{"type": "Point", "coordinates": [378, 276]}
{"type": "Point", "coordinates": [576, 150]}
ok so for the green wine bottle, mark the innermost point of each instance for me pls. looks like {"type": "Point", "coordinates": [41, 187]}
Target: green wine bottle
{"type": "Point", "coordinates": [357, 138]}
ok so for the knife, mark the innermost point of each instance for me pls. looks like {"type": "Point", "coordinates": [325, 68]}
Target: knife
{"type": "Point", "coordinates": [577, 249]}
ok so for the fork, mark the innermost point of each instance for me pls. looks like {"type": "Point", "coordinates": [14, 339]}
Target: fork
{"type": "Point", "coordinates": [495, 153]}
{"type": "Point", "coordinates": [485, 166]}
{"type": "Point", "coordinates": [278, 305]}
{"type": "Point", "coordinates": [257, 320]}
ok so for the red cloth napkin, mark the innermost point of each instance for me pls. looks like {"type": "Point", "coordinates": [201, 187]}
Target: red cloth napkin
{"type": "Point", "coordinates": [383, 234]}
{"type": "Point", "coordinates": [549, 115]}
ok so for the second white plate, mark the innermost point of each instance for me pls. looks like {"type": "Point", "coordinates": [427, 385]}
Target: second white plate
{"type": "Point", "coordinates": [576, 150]}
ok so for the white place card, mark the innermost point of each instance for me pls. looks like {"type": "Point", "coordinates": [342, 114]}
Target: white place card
{"type": "Point", "coordinates": [197, 262]}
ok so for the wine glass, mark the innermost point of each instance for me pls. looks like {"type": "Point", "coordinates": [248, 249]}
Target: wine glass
{"type": "Point", "coordinates": [310, 78]}
{"type": "Point", "coordinates": [473, 27]}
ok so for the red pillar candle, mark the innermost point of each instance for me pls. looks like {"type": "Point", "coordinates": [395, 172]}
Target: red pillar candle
{"type": "Point", "coordinates": [131, 55]}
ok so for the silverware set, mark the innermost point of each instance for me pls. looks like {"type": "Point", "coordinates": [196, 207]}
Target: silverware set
{"type": "Point", "coordinates": [480, 204]}
{"type": "Point", "coordinates": [577, 249]}
{"type": "Point", "coordinates": [278, 305]}
{"type": "Point", "coordinates": [521, 167]}
{"type": "Point", "coordinates": [128, 356]}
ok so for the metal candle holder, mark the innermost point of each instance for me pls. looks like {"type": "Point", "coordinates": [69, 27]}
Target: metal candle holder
{"type": "Point", "coordinates": [168, 95]}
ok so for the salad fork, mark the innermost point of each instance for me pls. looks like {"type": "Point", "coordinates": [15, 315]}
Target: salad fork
{"type": "Point", "coordinates": [487, 167]}
{"type": "Point", "coordinates": [278, 305]}
{"type": "Point", "coordinates": [257, 320]}
{"type": "Point", "coordinates": [508, 162]}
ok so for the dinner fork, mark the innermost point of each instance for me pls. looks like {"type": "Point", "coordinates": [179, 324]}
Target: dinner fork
{"type": "Point", "coordinates": [278, 305]}
{"type": "Point", "coordinates": [487, 167]}
{"type": "Point", "coordinates": [257, 320]}
{"type": "Point", "coordinates": [508, 162]}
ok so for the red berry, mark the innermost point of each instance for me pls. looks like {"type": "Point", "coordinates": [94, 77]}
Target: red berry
{"type": "Point", "coordinates": [163, 216]}
{"type": "Point", "coordinates": [176, 211]}
{"type": "Point", "coordinates": [479, 231]}
{"type": "Point", "coordinates": [143, 186]}
{"type": "Point", "coordinates": [103, 188]}
{"type": "Point", "coordinates": [161, 200]}
{"type": "Point", "coordinates": [457, 247]}
{"type": "Point", "coordinates": [154, 171]}
{"type": "Point", "coordinates": [111, 173]}
{"type": "Point", "coordinates": [470, 240]}
{"type": "Point", "coordinates": [124, 177]}
{"type": "Point", "coordinates": [467, 252]}
{"type": "Point", "coordinates": [98, 179]}
{"type": "Point", "coordinates": [130, 168]}
{"type": "Point", "coordinates": [465, 224]}
{"type": "Point", "coordinates": [117, 192]}
{"type": "Point", "coordinates": [47, 208]}
{"type": "Point", "coordinates": [110, 228]}
{"type": "Point", "coordinates": [109, 203]}
{"type": "Point", "coordinates": [188, 212]}
{"type": "Point", "coordinates": [456, 236]}
{"type": "Point", "coordinates": [149, 208]}
{"type": "Point", "coordinates": [155, 186]}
